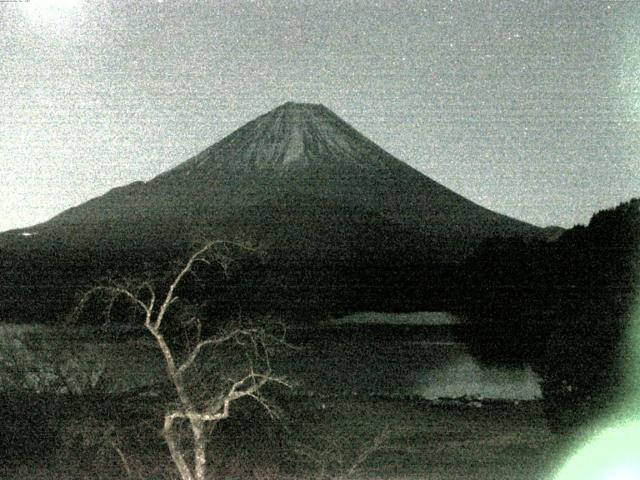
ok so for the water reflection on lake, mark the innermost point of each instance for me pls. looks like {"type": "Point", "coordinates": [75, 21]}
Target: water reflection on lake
{"type": "Point", "coordinates": [463, 375]}
{"type": "Point", "coordinates": [401, 357]}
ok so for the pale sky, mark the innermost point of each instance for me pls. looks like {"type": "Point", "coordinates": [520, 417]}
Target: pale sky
{"type": "Point", "coordinates": [531, 109]}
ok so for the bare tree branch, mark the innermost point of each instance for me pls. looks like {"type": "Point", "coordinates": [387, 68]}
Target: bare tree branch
{"type": "Point", "coordinates": [192, 410]}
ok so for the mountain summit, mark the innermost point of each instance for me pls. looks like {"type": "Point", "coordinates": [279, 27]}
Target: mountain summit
{"type": "Point", "coordinates": [292, 136]}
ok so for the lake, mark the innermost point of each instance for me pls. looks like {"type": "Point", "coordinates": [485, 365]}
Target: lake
{"type": "Point", "coordinates": [398, 358]}
{"type": "Point", "coordinates": [366, 354]}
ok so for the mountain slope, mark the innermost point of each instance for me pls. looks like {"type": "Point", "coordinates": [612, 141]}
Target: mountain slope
{"type": "Point", "coordinates": [296, 149]}
{"type": "Point", "coordinates": [315, 194]}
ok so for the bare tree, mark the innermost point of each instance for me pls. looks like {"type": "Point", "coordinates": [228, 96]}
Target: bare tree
{"type": "Point", "coordinates": [333, 462]}
{"type": "Point", "coordinates": [204, 380]}
{"type": "Point", "coordinates": [38, 359]}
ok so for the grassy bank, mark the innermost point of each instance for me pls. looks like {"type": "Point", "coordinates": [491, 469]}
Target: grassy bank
{"type": "Point", "coordinates": [423, 440]}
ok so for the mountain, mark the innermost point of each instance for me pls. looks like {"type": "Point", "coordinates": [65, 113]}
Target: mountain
{"type": "Point", "coordinates": [294, 157]}
{"type": "Point", "coordinates": [305, 185]}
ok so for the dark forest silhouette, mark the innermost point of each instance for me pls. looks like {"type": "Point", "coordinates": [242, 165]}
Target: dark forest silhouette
{"type": "Point", "coordinates": [562, 306]}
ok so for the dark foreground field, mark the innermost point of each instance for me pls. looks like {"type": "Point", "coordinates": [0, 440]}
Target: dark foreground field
{"type": "Point", "coordinates": [315, 438]}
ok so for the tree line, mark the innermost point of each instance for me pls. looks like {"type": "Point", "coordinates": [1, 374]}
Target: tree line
{"type": "Point", "coordinates": [563, 306]}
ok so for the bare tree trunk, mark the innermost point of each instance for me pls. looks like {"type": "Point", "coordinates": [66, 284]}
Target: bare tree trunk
{"type": "Point", "coordinates": [199, 449]}
{"type": "Point", "coordinates": [174, 449]}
